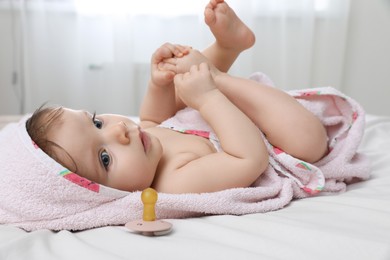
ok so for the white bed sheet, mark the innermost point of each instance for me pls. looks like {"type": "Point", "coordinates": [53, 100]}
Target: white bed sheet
{"type": "Point", "coordinates": [351, 225]}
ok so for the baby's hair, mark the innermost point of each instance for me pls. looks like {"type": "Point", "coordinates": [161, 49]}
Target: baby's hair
{"type": "Point", "coordinates": [40, 125]}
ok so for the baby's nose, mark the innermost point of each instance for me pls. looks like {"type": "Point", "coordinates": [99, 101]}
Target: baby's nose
{"type": "Point", "coordinates": [120, 132]}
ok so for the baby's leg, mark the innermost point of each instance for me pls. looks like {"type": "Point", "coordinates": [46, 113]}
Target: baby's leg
{"type": "Point", "coordinates": [232, 36]}
{"type": "Point", "coordinates": [286, 123]}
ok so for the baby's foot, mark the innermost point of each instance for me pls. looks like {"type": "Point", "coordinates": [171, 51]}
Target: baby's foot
{"type": "Point", "coordinates": [183, 64]}
{"type": "Point", "coordinates": [229, 31]}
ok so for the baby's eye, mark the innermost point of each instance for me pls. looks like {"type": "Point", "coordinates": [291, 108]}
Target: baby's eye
{"type": "Point", "coordinates": [105, 159]}
{"type": "Point", "coordinates": [98, 123]}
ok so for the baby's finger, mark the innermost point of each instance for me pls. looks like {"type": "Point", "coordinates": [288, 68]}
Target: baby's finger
{"type": "Point", "coordinates": [160, 54]}
{"type": "Point", "coordinates": [172, 61]}
{"type": "Point", "coordinates": [166, 67]}
{"type": "Point", "coordinates": [184, 49]}
{"type": "Point", "coordinates": [175, 51]}
{"type": "Point", "coordinates": [171, 50]}
{"type": "Point", "coordinates": [180, 50]}
{"type": "Point", "coordinates": [167, 50]}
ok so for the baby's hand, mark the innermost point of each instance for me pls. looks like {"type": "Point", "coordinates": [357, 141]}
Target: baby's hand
{"type": "Point", "coordinates": [163, 77]}
{"type": "Point", "coordinates": [194, 87]}
{"type": "Point", "coordinates": [184, 63]}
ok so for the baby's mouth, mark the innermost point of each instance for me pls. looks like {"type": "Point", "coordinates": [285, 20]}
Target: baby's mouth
{"type": "Point", "coordinates": [145, 140]}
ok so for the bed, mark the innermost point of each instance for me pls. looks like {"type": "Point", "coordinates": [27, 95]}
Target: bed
{"type": "Point", "coordinates": [351, 225]}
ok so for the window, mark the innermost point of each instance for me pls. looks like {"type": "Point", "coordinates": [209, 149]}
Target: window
{"type": "Point", "coordinates": [149, 7]}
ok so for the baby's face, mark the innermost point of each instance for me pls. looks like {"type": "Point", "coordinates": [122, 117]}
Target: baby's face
{"type": "Point", "coordinates": [109, 149]}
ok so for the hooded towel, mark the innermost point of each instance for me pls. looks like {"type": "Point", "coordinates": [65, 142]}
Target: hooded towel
{"type": "Point", "coordinates": [38, 193]}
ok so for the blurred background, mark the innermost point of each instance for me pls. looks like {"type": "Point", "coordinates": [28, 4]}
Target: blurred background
{"type": "Point", "coordinates": [94, 54]}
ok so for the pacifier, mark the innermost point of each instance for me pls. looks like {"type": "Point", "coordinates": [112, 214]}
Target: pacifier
{"type": "Point", "coordinates": [148, 225]}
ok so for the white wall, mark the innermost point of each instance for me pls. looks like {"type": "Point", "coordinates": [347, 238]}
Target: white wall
{"type": "Point", "coordinates": [367, 66]}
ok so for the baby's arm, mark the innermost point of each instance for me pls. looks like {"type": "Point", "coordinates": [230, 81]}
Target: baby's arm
{"type": "Point", "coordinates": [244, 155]}
{"type": "Point", "coordinates": [160, 102]}
{"type": "Point", "coordinates": [266, 107]}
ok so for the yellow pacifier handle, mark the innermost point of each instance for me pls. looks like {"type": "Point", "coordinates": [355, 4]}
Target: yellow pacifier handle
{"type": "Point", "coordinates": [149, 198]}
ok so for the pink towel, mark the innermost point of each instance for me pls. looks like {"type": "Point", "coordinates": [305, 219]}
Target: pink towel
{"type": "Point", "coordinates": [38, 193]}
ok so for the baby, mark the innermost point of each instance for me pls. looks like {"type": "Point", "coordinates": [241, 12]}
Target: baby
{"type": "Point", "coordinates": [161, 153]}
